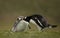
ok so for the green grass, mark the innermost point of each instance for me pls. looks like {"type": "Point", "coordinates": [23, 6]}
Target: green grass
{"type": "Point", "coordinates": [29, 34]}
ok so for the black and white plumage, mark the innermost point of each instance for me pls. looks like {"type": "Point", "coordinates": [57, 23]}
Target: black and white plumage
{"type": "Point", "coordinates": [20, 24]}
{"type": "Point", "coordinates": [39, 20]}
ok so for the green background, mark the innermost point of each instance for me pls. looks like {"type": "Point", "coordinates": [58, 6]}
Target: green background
{"type": "Point", "coordinates": [11, 9]}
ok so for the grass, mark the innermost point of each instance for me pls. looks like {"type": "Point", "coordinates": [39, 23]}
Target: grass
{"type": "Point", "coordinates": [32, 33]}
{"type": "Point", "coordinates": [29, 34]}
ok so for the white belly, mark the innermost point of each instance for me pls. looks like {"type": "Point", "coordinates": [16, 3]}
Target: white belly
{"type": "Point", "coordinates": [32, 21]}
{"type": "Point", "coordinates": [21, 26]}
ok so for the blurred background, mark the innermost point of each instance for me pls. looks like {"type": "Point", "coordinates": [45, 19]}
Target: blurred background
{"type": "Point", "coordinates": [10, 9]}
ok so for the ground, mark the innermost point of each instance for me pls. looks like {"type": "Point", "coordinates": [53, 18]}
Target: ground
{"type": "Point", "coordinates": [32, 33]}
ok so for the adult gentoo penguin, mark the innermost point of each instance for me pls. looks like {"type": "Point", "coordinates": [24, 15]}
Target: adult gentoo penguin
{"type": "Point", "coordinates": [22, 23]}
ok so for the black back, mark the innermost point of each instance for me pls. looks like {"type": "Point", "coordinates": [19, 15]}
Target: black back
{"type": "Point", "coordinates": [37, 18]}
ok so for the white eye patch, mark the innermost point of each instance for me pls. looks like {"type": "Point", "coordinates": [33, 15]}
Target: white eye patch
{"type": "Point", "coordinates": [19, 18]}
